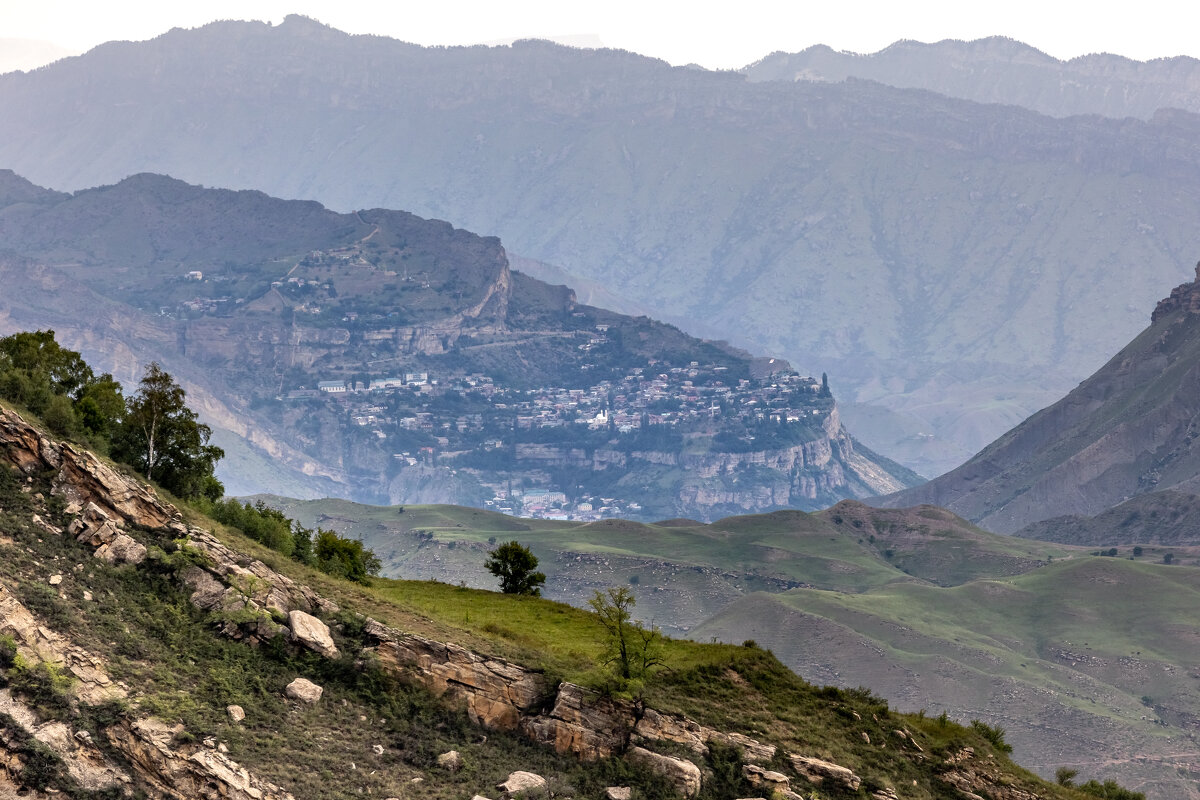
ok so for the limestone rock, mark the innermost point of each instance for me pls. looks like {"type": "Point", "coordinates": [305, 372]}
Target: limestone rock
{"type": "Point", "coordinates": [312, 633]}
{"type": "Point", "coordinates": [522, 783]}
{"type": "Point", "coordinates": [584, 723]}
{"type": "Point", "coordinates": [122, 550]}
{"type": "Point", "coordinates": [683, 775]}
{"type": "Point", "coordinates": [55, 580]}
{"type": "Point", "coordinates": [172, 773]}
{"type": "Point", "coordinates": [236, 713]}
{"type": "Point", "coordinates": [884, 794]}
{"type": "Point", "coordinates": [816, 771]}
{"type": "Point", "coordinates": [304, 690]}
{"type": "Point", "coordinates": [618, 793]}
{"type": "Point", "coordinates": [450, 760]}
{"type": "Point", "coordinates": [495, 692]}
{"type": "Point", "coordinates": [766, 779]}
{"type": "Point", "coordinates": [656, 726]}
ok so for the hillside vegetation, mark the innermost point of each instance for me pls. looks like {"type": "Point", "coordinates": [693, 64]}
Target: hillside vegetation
{"type": "Point", "coordinates": [119, 671]}
{"type": "Point", "coordinates": [1069, 649]}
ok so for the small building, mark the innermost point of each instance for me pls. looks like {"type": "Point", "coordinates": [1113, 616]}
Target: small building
{"type": "Point", "coordinates": [332, 386]}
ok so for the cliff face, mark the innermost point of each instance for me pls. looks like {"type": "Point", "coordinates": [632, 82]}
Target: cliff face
{"type": "Point", "coordinates": [711, 484]}
{"type": "Point", "coordinates": [1129, 429]}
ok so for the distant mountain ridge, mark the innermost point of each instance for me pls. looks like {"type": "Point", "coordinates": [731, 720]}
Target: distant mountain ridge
{"type": "Point", "coordinates": [380, 356]}
{"type": "Point", "coordinates": [1128, 430]}
{"type": "Point", "coordinates": [1002, 70]}
{"type": "Point", "coordinates": [928, 253]}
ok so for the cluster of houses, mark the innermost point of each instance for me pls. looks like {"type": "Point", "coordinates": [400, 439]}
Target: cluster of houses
{"type": "Point", "coordinates": [481, 429]}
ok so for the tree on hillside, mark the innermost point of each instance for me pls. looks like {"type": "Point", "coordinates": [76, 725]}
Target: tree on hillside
{"type": "Point", "coordinates": [632, 649]}
{"type": "Point", "coordinates": [161, 438]}
{"type": "Point", "coordinates": [516, 567]}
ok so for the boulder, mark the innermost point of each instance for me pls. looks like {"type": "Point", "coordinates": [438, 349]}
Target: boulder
{"type": "Point", "coordinates": [683, 774]}
{"type": "Point", "coordinates": [522, 783]}
{"type": "Point", "coordinates": [618, 793]}
{"type": "Point", "coordinates": [766, 779]}
{"type": "Point", "coordinates": [450, 760]}
{"type": "Point", "coordinates": [815, 770]}
{"type": "Point", "coordinates": [122, 549]}
{"type": "Point", "coordinates": [303, 690]}
{"type": "Point", "coordinates": [236, 713]}
{"type": "Point", "coordinates": [312, 633]}
{"type": "Point", "coordinates": [55, 580]}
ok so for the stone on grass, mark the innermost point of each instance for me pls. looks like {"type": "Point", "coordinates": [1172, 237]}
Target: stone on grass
{"type": "Point", "coordinates": [312, 633]}
{"type": "Point", "coordinates": [236, 713]}
{"type": "Point", "coordinates": [521, 782]}
{"type": "Point", "coordinates": [55, 580]}
{"type": "Point", "coordinates": [618, 793]}
{"type": "Point", "coordinates": [377, 749]}
{"type": "Point", "coordinates": [303, 690]}
{"type": "Point", "coordinates": [450, 760]}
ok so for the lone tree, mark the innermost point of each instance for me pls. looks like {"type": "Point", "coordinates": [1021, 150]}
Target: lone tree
{"type": "Point", "coordinates": [161, 438]}
{"type": "Point", "coordinates": [632, 649]}
{"type": "Point", "coordinates": [515, 565]}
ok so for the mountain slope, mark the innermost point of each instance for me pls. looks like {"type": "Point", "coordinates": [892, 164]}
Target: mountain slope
{"type": "Point", "coordinates": [926, 252]}
{"type": "Point", "coordinates": [167, 653]}
{"type": "Point", "coordinates": [1128, 429]}
{"type": "Point", "coordinates": [1001, 70]}
{"type": "Point", "coordinates": [1071, 659]}
{"type": "Point", "coordinates": [381, 356]}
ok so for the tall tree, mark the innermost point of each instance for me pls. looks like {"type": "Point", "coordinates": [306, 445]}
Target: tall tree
{"type": "Point", "coordinates": [161, 438]}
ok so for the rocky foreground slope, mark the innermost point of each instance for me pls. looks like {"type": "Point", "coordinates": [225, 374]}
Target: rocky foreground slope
{"type": "Point", "coordinates": [67, 725]}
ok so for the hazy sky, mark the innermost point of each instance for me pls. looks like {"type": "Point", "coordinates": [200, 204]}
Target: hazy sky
{"type": "Point", "coordinates": [718, 35]}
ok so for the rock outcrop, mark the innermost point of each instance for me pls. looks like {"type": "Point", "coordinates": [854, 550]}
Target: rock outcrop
{"type": "Point", "coordinates": [683, 774]}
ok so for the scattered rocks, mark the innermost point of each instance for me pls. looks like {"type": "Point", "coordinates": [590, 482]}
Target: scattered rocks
{"type": "Point", "coordinates": [450, 760]}
{"type": "Point", "coordinates": [522, 783]}
{"type": "Point", "coordinates": [683, 774]}
{"type": "Point", "coordinates": [304, 690]}
{"type": "Point", "coordinates": [312, 633]}
{"type": "Point", "coordinates": [55, 580]}
{"type": "Point", "coordinates": [236, 713]}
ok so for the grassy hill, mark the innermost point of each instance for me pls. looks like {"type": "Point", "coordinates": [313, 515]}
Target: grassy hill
{"type": "Point", "coordinates": [116, 667]}
{"type": "Point", "coordinates": [1075, 659]}
{"type": "Point", "coordinates": [683, 570]}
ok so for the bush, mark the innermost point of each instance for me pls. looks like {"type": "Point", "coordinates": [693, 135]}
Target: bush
{"type": "Point", "coordinates": [995, 735]}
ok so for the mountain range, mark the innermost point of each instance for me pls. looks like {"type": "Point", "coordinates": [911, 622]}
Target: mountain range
{"type": "Point", "coordinates": [1002, 70]}
{"type": "Point", "coordinates": [931, 254]}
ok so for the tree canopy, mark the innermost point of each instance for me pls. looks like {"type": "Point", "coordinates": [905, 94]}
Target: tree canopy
{"type": "Point", "coordinates": [161, 438]}
{"type": "Point", "coordinates": [516, 567]}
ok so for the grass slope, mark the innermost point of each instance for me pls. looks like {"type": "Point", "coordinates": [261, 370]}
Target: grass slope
{"type": "Point", "coordinates": [1086, 662]}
